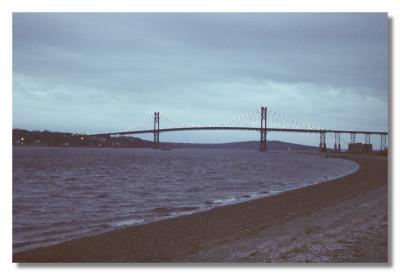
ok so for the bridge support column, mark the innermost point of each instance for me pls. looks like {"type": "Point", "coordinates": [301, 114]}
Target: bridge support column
{"type": "Point", "coordinates": [156, 130]}
{"type": "Point", "coordinates": [263, 129]}
{"type": "Point", "coordinates": [337, 142]}
{"type": "Point", "coordinates": [352, 138]}
{"type": "Point", "coordinates": [367, 138]}
{"type": "Point", "coordinates": [383, 142]}
{"type": "Point", "coordinates": [322, 142]}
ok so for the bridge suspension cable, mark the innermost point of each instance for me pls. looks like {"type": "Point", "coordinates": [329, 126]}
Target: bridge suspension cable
{"type": "Point", "coordinates": [296, 124]}
{"type": "Point", "coordinates": [175, 122]}
{"type": "Point", "coordinates": [252, 117]}
{"type": "Point", "coordinates": [139, 124]}
{"type": "Point", "coordinates": [244, 117]}
{"type": "Point", "coordinates": [230, 123]}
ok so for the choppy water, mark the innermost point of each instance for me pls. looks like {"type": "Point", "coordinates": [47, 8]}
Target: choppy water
{"type": "Point", "coordinates": [65, 193]}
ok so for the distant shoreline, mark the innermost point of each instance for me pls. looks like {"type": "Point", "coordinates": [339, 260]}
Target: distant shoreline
{"type": "Point", "coordinates": [23, 137]}
{"type": "Point", "coordinates": [306, 151]}
{"type": "Point", "coordinates": [179, 239]}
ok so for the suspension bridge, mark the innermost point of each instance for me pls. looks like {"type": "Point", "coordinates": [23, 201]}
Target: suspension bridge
{"type": "Point", "coordinates": [264, 113]}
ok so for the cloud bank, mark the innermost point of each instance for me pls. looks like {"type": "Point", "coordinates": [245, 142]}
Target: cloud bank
{"type": "Point", "coordinates": [89, 72]}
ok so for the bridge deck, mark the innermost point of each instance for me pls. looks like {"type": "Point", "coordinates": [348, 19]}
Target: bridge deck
{"type": "Point", "coordinates": [216, 128]}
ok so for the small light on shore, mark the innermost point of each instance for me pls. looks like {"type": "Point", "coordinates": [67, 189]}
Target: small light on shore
{"type": "Point", "coordinates": [22, 139]}
{"type": "Point", "coordinates": [82, 138]}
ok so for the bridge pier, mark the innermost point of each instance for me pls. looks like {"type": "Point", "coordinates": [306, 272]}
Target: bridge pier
{"type": "Point", "coordinates": [156, 142]}
{"type": "Point", "coordinates": [367, 138]}
{"type": "Point", "coordinates": [337, 142]}
{"type": "Point", "coordinates": [352, 138]}
{"type": "Point", "coordinates": [263, 129]}
{"type": "Point", "coordinates": [322, 142]}
{"type": "Point", "coordinates": [383, 142]}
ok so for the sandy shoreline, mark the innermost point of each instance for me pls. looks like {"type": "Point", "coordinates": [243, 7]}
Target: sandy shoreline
{"type": "Point", "coordinates": [343, 220]}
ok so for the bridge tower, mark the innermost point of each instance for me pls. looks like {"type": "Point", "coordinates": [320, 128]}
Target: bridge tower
{"type": "Point", "coordinates": [263, 129]}
{"type": "Point", "coordinates": [322, 142]}
{"type": "Point", "coordinates": [156, 129]}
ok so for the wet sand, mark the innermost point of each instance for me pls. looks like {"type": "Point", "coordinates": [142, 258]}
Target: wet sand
{"type": "Point", "coordinates": [343, 220]}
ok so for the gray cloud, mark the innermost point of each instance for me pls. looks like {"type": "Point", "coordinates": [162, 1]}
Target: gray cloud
{"type": "Point", "coordinates": [95, 72]}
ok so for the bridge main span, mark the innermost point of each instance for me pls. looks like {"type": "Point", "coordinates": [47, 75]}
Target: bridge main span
{"type": "Point", "coordinates": [263, 129]}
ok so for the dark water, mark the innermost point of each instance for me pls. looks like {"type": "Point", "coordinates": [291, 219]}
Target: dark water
{"type": "Point", "coordinates": [65, 193]}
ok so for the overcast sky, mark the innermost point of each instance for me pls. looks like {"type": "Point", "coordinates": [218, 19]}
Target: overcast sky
{"type": "Point", "coordinates": [104, 72]}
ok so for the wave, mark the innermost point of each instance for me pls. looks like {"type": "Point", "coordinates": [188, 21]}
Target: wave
{"type": "Point", "coordinates": [127, 222]}
{"type": "Point", "coordinates": [163, 210]}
